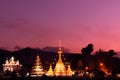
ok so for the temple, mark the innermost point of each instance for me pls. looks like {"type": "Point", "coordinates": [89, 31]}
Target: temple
{"type": "Point", "coordinates": [11, 65]}
{"type": "Point", "coordinates": [50, 72]}
{"type": "Point", "coordinates": [37, 69]}
{"type": "Point", "coordinates": [60, 69]}
{"type": "Point", "coordinates": [69, 71]}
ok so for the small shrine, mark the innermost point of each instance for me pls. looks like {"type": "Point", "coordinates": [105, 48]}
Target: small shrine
{"type": "Point", "coordinates": [37, 69]}
{"type": "Point", "coordinates": [50, 72]}
{"type": "Point", "coordinates": [69, 71]}
{"type": "Point", "coordinates": [11, 65]}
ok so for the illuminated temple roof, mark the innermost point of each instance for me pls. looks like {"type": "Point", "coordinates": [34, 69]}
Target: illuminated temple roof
{"type": "Point", "coordinates": [11, 65]}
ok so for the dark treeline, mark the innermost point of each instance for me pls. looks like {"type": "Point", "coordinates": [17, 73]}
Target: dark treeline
{"type": "Point", "coordinates": [26, 56]}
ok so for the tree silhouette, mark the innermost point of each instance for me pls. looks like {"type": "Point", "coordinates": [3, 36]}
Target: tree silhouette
{"type": "Point", "coordinates": [111, 53]}
{"type": "Point", "coordinates": [87, 50]}
{"type": "Point", "coordinates": [112, 63]}
{"type": "Point", "coordinates": [86, 55]}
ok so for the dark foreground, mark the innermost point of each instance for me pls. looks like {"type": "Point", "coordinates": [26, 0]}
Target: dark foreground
{"type": "Point", "coordinates": [60, 78]}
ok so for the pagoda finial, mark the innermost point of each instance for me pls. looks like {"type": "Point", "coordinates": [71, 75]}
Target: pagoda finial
{"type": "Point", "coordinates": [60, 44]}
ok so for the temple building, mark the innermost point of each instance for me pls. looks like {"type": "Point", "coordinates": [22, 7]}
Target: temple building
{"type": "Point", "coordinates": [60, 69]}
{"type": "Point", "coordinates": [69, 71]}
{"type": "Point", "coordinates": [11, 65]}
{"type": "Point", "coordinates": [37, 69]}
{"type": "Point", "coordinates": [50, 72]}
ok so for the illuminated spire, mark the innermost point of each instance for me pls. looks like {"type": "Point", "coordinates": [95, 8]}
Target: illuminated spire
{"type": "Point", "coordinates": [37, 69]}
{"type": "Point", "coordinates": [50, 72]}
{"type": "Point", "coordinates": [69, 71]}
{"type": "Point", "coordinates": [59, 46]}
{"type": "Point", "coordinates": [60, 69]}
{"type": "Point", "coordinates": [60, 52]}
{"type": "Point", "coordinates": [12, 60]}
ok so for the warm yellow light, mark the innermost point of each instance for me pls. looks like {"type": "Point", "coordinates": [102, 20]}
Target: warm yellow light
{"type": "Point", "coordinates": [86, 68]}
{"type": "Point", "coordinates": [11, 65]}
{"type": "Point", "coordinates": [101, 64]}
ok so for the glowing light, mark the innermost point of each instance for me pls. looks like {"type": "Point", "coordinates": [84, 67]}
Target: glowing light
{"type": "Point", "coordinates": [37, 69]}
{"type": "Point", "coordinates": [101, 64]}
{"type": "Point", "coordinates": [86, 68]}
{"type": "Point", "coordinates": [11, 65]}
{"type": "Point", "coordinates": [50, 72]}
{"type": "Point", "coordinates": [60, 69]}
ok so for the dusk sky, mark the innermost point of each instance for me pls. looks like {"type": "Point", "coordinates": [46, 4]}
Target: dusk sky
{"type": "Point", "coordinates": [41, 23]}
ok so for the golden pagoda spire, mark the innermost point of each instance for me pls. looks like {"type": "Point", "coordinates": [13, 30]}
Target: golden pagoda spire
{"type": "Point", "coordinates": [60, 69]}
{"type": "Point", "coordinates": [60, 46]}
{"type": "Point", "coordinates": [60, 52]}
{"type": "Point", "coordinates": [50, 72]}
{"type": "Point", "coordinates": [69, 71]}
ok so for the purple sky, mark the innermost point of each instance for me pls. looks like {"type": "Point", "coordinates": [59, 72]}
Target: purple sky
{"type": "Point", "coordinates": [40, 23]}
